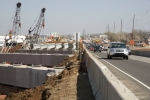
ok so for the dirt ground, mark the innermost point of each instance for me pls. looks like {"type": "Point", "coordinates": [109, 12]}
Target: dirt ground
{"type": "Point", "coordinates": [71, 84]}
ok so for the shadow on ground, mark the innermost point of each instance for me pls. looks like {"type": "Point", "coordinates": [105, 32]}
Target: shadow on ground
{"type": "Point", "coordinates": [84, 89]}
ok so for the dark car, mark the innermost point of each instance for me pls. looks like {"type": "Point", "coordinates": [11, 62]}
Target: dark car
{"type": "Point", "coordinates": [97, 47]}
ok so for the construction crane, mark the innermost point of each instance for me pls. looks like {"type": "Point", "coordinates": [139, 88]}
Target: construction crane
{"type": "Point", "coordinates": [11, 41]}
{"type": "Point", "coordinates": [34, 38]}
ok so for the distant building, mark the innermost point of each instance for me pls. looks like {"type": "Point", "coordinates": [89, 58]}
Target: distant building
{"type": "Point", "coordinates": [103, 37]}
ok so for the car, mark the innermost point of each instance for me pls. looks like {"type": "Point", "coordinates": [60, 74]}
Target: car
{"type": "Point", "coordinates": [129, 50]}
{"type": "Point", "coordinates": [92, 47]}
{"type": "Point", "coordinates": [97, 47]}
{"type": "Point", "coordinates": [117, 49]}
{"type": "Point", "coordinates": [102, 47]}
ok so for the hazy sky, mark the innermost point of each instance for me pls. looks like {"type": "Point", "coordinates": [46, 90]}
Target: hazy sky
{"type": "Point", "coordinates": [69, 16]}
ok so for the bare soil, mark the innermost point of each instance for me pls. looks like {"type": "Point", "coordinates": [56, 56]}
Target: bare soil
{"type": "Point", "coordinates": [71, 84]}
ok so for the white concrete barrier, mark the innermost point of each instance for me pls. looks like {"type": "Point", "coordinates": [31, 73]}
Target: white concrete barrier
{"type": "Point", "coordinates": [51, 46]}
{"type": "Point", "coordinates": [104, 84]}
{"type": "Point", "coordinates": [43, 46]}
{"type": "Point", "coordinates": [74, 45]}
{"type": "Point", "coordinates": [36, 46]}
{"type": "Point", "coordinates": [58, 45]}
{"type": "Point", "coordinates": [66, 45]}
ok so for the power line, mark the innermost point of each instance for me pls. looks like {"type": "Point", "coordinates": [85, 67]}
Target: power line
{"type": "Point", "coordinates": [127, 23]}
{"type": "Point", "coordinates": [143, 24]}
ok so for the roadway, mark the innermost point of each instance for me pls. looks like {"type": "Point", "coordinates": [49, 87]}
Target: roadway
{"type": "Point", "coordinates": [133, 73]}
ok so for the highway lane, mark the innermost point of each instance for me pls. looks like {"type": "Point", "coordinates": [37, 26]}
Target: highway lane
{"type": "Point", "coordinates": [136, 67]}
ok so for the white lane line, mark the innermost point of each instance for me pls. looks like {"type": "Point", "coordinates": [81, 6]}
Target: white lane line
{"type": "Point", "coordinates": [126, 73]}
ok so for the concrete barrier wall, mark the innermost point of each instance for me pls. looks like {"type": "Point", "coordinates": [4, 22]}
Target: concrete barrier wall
{"type": "Point", "coordinates": [35, 59]}
{"type": "Point", "coordinates": [24, 76]}
{"type": "Point", "coordinates": [141, 53]}
{"type": "Point", "coordinates": [104, 84]}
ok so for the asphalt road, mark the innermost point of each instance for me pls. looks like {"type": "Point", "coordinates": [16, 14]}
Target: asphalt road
{"type": "Point", "coordinates": [134, 73]}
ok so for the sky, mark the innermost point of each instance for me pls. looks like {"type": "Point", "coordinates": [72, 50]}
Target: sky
{"type": "Point", "coordinates": [69, 16]}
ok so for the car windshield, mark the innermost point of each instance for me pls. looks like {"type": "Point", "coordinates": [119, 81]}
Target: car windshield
{"type": "Point", "coordinates": [118, 45]}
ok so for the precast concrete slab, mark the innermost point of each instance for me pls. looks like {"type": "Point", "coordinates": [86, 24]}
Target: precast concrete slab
{"type": "Point", "coordinates": [22, 76]}
{"type": "Point", "coordinates": [3, 73]}
{"type": "Point", "coordinates": [37, 76]}
{"type": "Point", "coordinates": [65, 46]}
{"type": "Point", "coordinates": [52, 71]}
{"type": "Point", "coordinates": [37, 59]}
{"type": "Point", "coordinates": [51, 46]}
{"type": "Point", "coordinates": [27, 59]}
{"type": "Point", "coordinates": [64, 51]}
{"type": "Point", "coordinates": [43, 46]}
{"type": "Point", "coordinates": [36, 46]}
{"type": "Point", "coordinates": [58, 45]}
{"type": "Point", "coordinates": [25, 76]}
{"type": "Point", "coordinates": [17, 58]}
{"type": "Point", "coordinates": [11, 76]}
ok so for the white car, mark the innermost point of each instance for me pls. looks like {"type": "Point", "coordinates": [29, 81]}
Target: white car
{"type": "Point", "coordinates": [117, 49]}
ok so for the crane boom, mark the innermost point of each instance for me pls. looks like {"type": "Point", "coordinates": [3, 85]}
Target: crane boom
{"type": "Point", "coordinates": [37, 28]}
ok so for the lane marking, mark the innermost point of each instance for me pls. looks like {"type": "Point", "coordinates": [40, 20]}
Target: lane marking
{"type": "Point", "coordinates": [125, 73]}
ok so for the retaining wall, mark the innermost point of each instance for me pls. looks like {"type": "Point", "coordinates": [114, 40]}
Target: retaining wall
{"type": "Point", "coordinates": [104, 84]}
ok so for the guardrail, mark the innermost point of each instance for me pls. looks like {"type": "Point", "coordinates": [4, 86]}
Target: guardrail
{"type": "Point", "coordinates": [104, 84]}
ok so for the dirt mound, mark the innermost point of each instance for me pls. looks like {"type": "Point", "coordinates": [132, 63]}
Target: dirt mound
{"type": "Point", "coordinates": [65, 86]}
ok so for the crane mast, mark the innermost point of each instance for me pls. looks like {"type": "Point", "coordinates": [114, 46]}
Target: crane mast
{"type": "Point", "coordinates": [16, 22]}
{"type": "Point", "coordinates": [37, 28]}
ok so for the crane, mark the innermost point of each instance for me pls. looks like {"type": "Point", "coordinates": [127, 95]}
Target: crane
{"type": "Point", "coordinates": [11, 41]}
{"type": "Point", "coordinates": [37, 29]}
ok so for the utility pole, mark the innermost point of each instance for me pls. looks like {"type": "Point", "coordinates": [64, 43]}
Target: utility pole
{"type": "Point", "coordinates": [121, 25]}
{"type": "Point", "coordinates": [120, 31]}
{"type": "Point", "coordinates": [114, 28]}
{"type": "Point", "coordinates": [108, 27]}
{"type": "Point", "coordinates": [133, 31]}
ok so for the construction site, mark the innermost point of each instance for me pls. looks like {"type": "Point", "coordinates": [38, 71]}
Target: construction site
{"type": "Point", "coordinates": [42, 68]}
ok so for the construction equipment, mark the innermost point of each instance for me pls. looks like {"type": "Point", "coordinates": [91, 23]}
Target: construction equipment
{"type": "Point", "coordinates": [35, 38]}
{"type": "Point", "coordinates": [12, 40]}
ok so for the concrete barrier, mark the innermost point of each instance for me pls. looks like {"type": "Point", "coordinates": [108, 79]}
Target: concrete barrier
{"type": "Point", "coordinates": [43, 46]}
{"type": "Point", "coordinates": [46, 51]}
{"type": "Point", "coordinates": [24, 76]}
{"type": "Point", "coordinates": [51, 46]}
{"type": "Point", "coordinates": [141, 53]}
{"type": "Point", "coordinates": [36, 46]}
{"type": "Point", "coordinates": [35, 59]}
{"type": "Point", "coordinates": [104, 84]}
{"type": "Point", "coordinates": [65, 46]}
{"type": "Point", "coordinates": [58, 45]}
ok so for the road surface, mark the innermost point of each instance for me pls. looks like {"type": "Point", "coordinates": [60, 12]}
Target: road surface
{"type": "Point", "coordinates": [133, 73]}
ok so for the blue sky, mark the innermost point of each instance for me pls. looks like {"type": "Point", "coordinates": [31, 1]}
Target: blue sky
{"type": "Point", "coordinates": [69, 16]}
